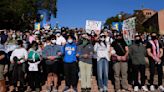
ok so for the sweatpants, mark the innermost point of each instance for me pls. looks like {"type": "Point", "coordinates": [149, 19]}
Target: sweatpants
{"type": "Point", "coordinates": [71, 74]}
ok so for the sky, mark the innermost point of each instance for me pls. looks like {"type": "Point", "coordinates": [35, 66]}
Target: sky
{"type": "Point", "coordinates": [74, 13]}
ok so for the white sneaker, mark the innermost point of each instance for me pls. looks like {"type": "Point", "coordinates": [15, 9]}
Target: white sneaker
{"type": "Point", "coordinates": [161, 88]}
{"type": "Point", "coordinates": [118, 90]}
{"type": "Point", "coordinates": [152, 88]}
{"type": "Point", "coordinates": [101, 90]}
{"type": "Point", "coordinates": [136, 89]}
{"type": "Point", "coordinates": [144, 88]}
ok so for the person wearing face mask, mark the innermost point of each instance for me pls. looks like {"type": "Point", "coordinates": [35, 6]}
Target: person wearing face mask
{"type": "Point", "coordinates": [18, 59]}
{"type": "Point", "coordinates": [60, 40]}
{"type": "Point", "coordinates": [138, 52]}
{"type": "Point", "coordinates": [85, 63]}
{"type": "Point", "coordinates": [155, 53]}
{"type": "Point", "coordinates": [102, 49]}
{"type": "Point", "coordinates": [51, 54]}
{"type": "Point", "coordinates": [120, 65]}
{"type": "Point", "coordinates": [70, 54]}
{"type": "Point", "coordinates": [34, 60]}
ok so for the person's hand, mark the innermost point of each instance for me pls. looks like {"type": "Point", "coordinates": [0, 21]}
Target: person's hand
{"type": "Point", "coordinates": [12, 62]}
{"type": "Point", "coordinates": [119, 58]}
{"type": "Point", "coordinates": [51, 58]}
{"type": "Point", "coordinates": [5, 71]}
{"type": "Point", "coordinates": [18, 62]}
{"type": "Point", "coordinates": [77, 55]}
{"type": "Point", "coordinates": [59, 53]}
{"type": "Point", "coordinates": [85, 55]}
{"type": "Point", "coordinates": [158, 60]}
{"type": "Point", "coordinates": [123, 58]}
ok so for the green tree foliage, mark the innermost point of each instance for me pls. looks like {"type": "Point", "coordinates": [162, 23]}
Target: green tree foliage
{"type": "Point", "coordinates": [20, 14]}
{"type": "Point", "coordinates": [116, 18]}
{"type": "Point", "coordinates": [140, 19]}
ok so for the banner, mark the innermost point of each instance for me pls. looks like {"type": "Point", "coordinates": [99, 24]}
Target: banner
{"type": "Point", "coordinates": [93, 25]}
{"type": "Point", "coordinates": [129, 29]}
{"type": "Point", "coordinates": [37, 26]}
{"type": "Point", "coordinates": [117, 26]}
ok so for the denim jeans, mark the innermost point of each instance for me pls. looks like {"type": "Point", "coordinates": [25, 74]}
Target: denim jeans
{"type": "Point", "coordinates": [102, 71]}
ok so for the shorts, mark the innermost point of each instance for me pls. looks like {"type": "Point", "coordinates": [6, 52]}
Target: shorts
{"type": "Point", "coordinates": [1, 72]}
{"type": "Point", "coordinates": [52, 68]}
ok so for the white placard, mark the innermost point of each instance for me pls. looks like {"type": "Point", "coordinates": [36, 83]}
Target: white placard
{"type": "Point", "coordinates": [129, 29]}
{"type": "Point", "coordinates": [93, 25]}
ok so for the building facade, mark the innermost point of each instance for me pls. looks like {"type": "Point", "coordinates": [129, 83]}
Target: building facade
{"type": "Point", "coordinates": [155, 22]}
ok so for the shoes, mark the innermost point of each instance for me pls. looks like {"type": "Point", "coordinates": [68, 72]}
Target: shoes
{"type": "Point", "coordinates": [88, 89]}
{"type": "Point", "coordinates": [75, 90]}
{"type": "Point", "coordinates": [136, 89]}
{"type": "Point", "coordinates": [66, 89]}
{"type": "Point", "coordinates": [152, 88]}
{"type": "Point", "coordinates": [105, 89]}
{"type": "Point", "coordinates": [161, 88]}
{"type": "Point", "coordinates": [54, 90]}
{"type": "Point", "coordinates": [37, 90]}
{"type": "Point", "coordinates": [83, 89]}
{"type": "Point", "coordinates": [123, 90]}
{"type": "Point", "coordinates": [144, 88]}
{"type": "Point", "coordinates": [118, 90]}
{"type": "Point", "coordinates": [101, 90]}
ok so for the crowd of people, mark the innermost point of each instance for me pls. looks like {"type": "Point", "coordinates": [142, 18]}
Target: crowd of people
{"type": "Point", "coordinates": [46, 57]}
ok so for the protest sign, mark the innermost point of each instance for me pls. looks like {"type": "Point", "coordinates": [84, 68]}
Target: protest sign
{"type": "Point", "coordinates": [37, 26]}
{"type": "Point", "coordinates": [117, 26]}
{"type": "Point", "coordinates": [93, 25]}
{"type": "Point", "coordinates": [129, 29]}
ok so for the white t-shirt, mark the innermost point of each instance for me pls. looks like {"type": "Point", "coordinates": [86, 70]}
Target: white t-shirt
{"type": "Point", "coordinates": [60, 40]}
{"type": "Point", "coordinates": [102, 51]}
{"type": "Point", "coordinates": [19, 53]}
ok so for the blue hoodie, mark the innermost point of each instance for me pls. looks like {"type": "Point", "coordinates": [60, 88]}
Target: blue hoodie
{"type": "Point", "coordinates": [69, 51]}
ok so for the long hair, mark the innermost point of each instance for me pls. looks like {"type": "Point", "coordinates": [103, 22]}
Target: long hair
{"type": "Point", "coordinates": [104, 42]}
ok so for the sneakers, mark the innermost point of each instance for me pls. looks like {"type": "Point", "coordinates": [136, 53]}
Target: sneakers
{"type": "Point", "coordinates": [152, 88]}
{"type": "Point", "coordinates": [136, 89]}
{"type": "Point", "coordinates": [66, 89]}
{"type": "Point", "coordinates": [144, 88]}
{"type": "Point", "coordinates": [161, 88]}
{"type": "Point", "coordinates": [118, 90]}
{"type": "Point", "coordinates": [75, 90]}
{"type": "Point", "coordinates": [54, 90]}
{"type": "Point", "coordinates": [101, 90]}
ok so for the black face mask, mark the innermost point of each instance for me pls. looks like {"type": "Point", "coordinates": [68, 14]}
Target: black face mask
{"type": "Point", "coordinates": [153, 37]}
{"type": "Point", "coordinates": [137, 41]}
{"type": "Point", "coordinates": [119, 40]}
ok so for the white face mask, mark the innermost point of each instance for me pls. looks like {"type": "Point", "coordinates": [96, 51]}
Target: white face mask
{"type": "Point", "coordinates": [58, 34]}
{"type": "Point", "coordinates": [102, 39]}
{"type": "Point", "coordinates": [13, 35]}
{"type": "Point", "coordinates": [53, 41]}
{"type": "Point", "coordinates": [70, 41]}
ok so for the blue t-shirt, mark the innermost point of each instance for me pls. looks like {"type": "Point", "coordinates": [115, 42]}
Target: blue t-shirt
{"type": "Point", "coordinates": [69, 51]}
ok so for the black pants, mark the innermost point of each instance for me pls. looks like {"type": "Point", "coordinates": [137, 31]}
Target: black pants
{"type": "Point", "coordinates": [71, 74]}
{"type": "Point", "coordinates": [152, 72]}
{"type": "Point", "coordinates": [139, 69]}
{"type": "Point", "coordinates": [18, 75]}
{"type": "Point", "coordinates": [34, 79]}
{"type": "Point", "coordinates": [111, 72]}
{"type": "Point", "coordinates": [94, 67]}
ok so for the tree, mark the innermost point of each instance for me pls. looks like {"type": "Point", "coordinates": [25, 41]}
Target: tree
{"type": "Point", "coordinates": [140, 19]}
{"type": "Point", "coordinates": [116, 18]}
{"type": "Point", "coordinates": [20, 14]}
